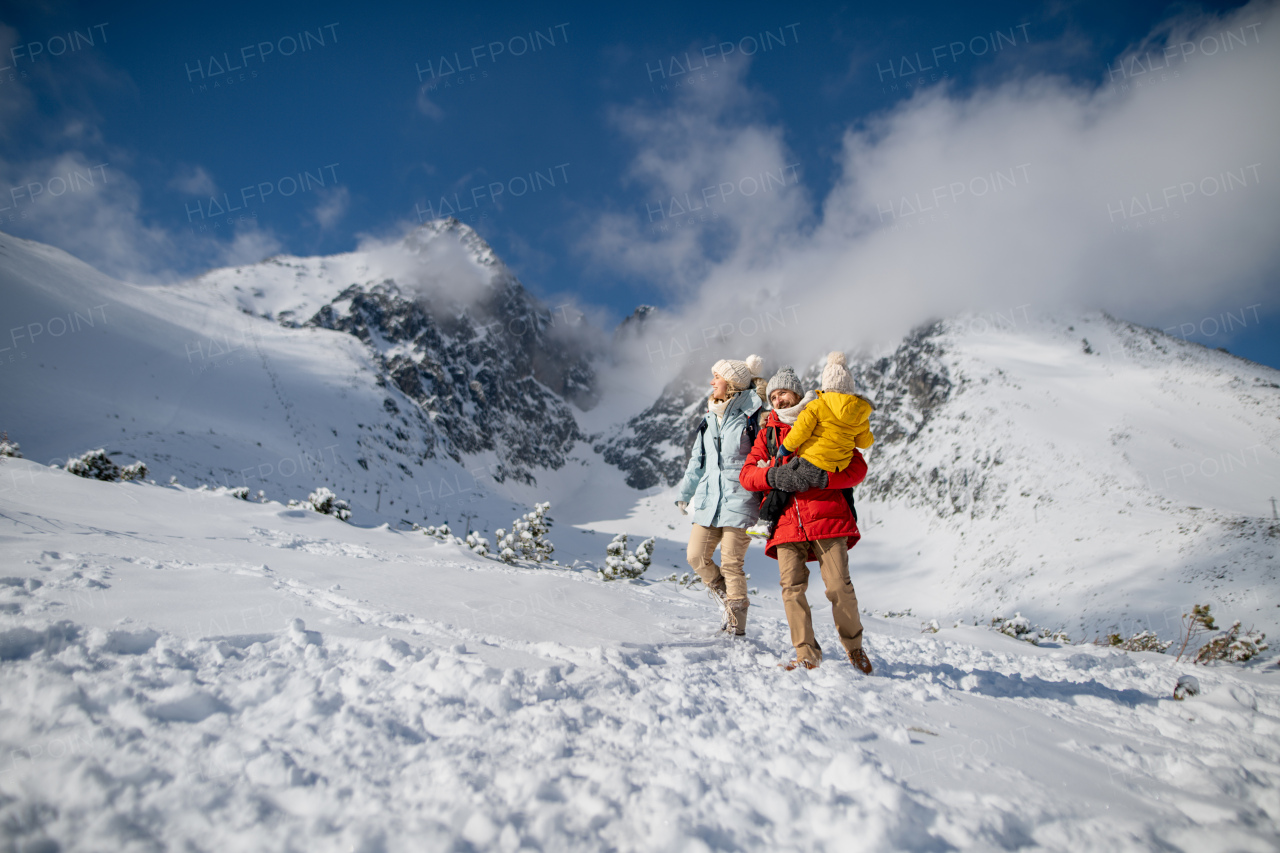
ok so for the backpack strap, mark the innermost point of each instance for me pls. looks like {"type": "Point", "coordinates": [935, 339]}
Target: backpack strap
{"type": "Point", "coordinates": [753, 427]}
{"type": "Point", "coordinates": [848, 496]}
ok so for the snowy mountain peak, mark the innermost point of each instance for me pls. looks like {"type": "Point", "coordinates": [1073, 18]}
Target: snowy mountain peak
{"type": "Point", "coordinates": [430, 233]}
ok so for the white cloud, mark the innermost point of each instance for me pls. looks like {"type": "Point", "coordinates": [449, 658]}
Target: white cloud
{"type": "Point", "coordinates": [193, 181]}
{"type": "Point", "coordinates": [715, 184]}
{"type": "Point", "coordinates": [249, 246]}
{"type": "Point", "coordinates": [92, 210]}
{"type": "Point", "coordinates": [332, 206]}
{"type": "Point", "coordinates": [428, 107]}
{"type": "Point", "coordinates": [1031, 192]}
{"type": "Point", "coordinates": [63, 184]}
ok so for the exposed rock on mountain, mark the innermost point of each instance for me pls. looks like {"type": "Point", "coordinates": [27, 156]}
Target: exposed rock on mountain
{"type": "Point", "coordinates": [653, 447]}
{"type": "Point", "coordinates": [491, 370]}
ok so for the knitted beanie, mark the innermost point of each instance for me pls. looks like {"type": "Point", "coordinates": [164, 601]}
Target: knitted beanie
{"type": "Point", "coordinates": [738, 373]}
{"type": "Point", "coordinates": [835, 377]}
{"type": "Point", "coordinates": [786, 379]}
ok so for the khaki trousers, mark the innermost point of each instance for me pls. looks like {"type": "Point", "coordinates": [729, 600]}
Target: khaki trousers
{"type": "Point", "coordinates": [833, 562]}
{"type": "Point", "coordinates": [727, 576]}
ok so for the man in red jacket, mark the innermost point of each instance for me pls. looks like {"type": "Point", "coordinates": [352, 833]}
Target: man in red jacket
{"type": "Point", "coordinates": [817, 525]}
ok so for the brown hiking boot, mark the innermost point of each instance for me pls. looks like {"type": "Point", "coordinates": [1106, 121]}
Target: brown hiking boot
{"type": "Point", "coordinates": [737, 610]}
{"type": "Point", "coordinates": [796, 663]}
{"type": "Point", "coordinates": [717, 592]}
{"type": "Point", "coordinates": [859, 659]}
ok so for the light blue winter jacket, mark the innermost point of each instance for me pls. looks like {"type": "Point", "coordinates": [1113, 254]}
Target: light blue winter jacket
{"type": "Point", "coordinates": [714, 494]}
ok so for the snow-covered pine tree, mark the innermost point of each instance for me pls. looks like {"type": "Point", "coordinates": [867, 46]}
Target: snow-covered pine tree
{"type": "Point", "coordinates": [621, 563]}
{"type": "Point", "coordinates": [9, 447]}
{"type": "Point", "coordinates": [94, 465]}
{"type": "Point", "coordinates": [1231, 645]}
{"type": "Point", "coordinates": [1194, 624]}
{"type": "Point", "coordinates": [528, 537]}
{"type": "Point", "coordinates": [325, 502]}
{"type": "Point", "coordinates": [1142, 641]}
{"type": "Point", "coordinates": [505, 543]}
{"type": "Point", "coordinates": [136, 471]}
{"type": "Point", "coordinates": [1020, 628]}
{"type": "Point", "coordinates": [473, 540]}
{"type": "Point", "coordinates": [477, 543]}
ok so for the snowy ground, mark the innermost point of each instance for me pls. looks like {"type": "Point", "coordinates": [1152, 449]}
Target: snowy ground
{"type": "Point", "coordinates": [156, 693]}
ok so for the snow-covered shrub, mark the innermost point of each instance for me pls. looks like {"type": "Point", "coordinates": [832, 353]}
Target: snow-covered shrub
{"type": "Point", "coordinates": [505, 545]}
{"type": "Point", "coordinates": [1188, 685]}
{"type": "Point", "coordinates": [242, 493]}
{"type": "Point", "coordinates": [477, 543]}
{"type": "Point", "coordinates": [94, 465]}
{"type": "Point", "coordinates": [8, 447]}
{"type": "Point", "coordinates": [930, 627]}
{"type": "Point", "coordinates": [1143, 641]}
{"type": "Point", "coordinates": [1195, 624]}
{"type": "Point", "coordinates": [621, 563]}
{"type": "Point", "coordinates": [688, 579]}
{"type": "Point", "coordinates": [441, 532]}
{"type": "Point", "coordinates": [136, 471]}
{"type": "Point", "coordinates": [1233, 646]}
{"type": "Point", "coordinates": [1020, 628]}
{"type": "Point", "coordinates": [325, 502]}
{"type": "Point", "coordinates": [528, 537]}
{"type": "Point", "coordinates": [473, 540]}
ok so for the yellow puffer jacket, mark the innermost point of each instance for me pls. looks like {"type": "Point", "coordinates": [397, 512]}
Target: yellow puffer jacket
{"type": "Point", "coordinates": [830, 428]}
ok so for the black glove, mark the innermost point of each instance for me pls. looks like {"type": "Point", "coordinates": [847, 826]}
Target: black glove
{"type": "Point", "coordinates": [796, 476]}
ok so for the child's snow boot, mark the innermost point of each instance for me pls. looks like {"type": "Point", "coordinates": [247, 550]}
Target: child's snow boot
{"type": "Point", "coordinates": [773, 506]}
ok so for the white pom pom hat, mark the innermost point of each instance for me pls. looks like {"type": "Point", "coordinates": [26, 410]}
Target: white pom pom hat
{"type": "Point", "coordinates": [835, 376]}
{"type": "Point", "coordinates": [738, 373]}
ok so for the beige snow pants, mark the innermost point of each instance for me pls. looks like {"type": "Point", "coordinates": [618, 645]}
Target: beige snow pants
{"type": "Point", "coordinates": [833, 562]}
{"type": "Point", "coordinates": [729, 575]}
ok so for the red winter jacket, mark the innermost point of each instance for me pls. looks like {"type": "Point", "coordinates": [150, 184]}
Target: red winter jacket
{"type": "Point", "coordinates": [815, 514]}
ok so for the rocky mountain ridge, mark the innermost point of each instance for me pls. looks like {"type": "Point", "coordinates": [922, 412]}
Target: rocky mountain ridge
{"type": "Point", "coordinates": [486, 367]}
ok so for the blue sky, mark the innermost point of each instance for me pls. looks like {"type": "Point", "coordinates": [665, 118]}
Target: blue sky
{"type": "Point", "coordinates": [225, 134]}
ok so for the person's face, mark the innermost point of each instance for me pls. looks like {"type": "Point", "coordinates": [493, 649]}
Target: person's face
{"type": "Point", "coordinates": [783, 398]}
{"type": "Point", "coordinates": [719, 386]}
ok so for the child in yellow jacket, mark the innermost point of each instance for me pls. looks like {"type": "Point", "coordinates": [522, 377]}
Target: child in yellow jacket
{"type": "Point", "coordinates": [831, 427]}
{"type": "Point", "coordinates": [826, 433]}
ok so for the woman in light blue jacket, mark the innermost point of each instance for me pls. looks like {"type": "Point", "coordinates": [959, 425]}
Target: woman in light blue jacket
{"type": "Point", "coordinates": [710, 492]}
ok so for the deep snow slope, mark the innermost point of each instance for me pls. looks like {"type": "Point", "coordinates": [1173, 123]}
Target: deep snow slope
{"type": "Point", "coordinates": [299, 372]}
{"type": "Point", "coordinates": [1086, 471]}
{"type": "Point", "coordinates": [184, 670]}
